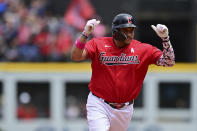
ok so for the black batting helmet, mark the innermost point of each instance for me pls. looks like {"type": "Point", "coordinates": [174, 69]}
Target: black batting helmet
{"type": "Point", "coordinates": [122, 20]}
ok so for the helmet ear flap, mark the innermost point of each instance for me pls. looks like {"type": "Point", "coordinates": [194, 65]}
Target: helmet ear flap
{"type": "Point", "coordinates": [117, 35]}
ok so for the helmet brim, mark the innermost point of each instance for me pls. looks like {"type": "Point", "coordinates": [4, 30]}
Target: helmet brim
{"type": "Point", "coordinates": [124, 26]}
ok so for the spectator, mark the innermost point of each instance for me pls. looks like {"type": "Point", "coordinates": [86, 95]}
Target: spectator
{"type": "Point", "coordinates": [42, 40]}
{"type": "Point", "coordinates": [26, 110]}
{"type": "Point", "coordinates": [64, 44]}
{"type": "Point", "coordinates": [3, 6]}
{"type": "Point", "coordinates": [73, 110]}
{"type": "Point", "coordinates": [11, 53]}
{"type": "Point", "coordinates": [29, 51]}
{"type": "Point", "coordinates": [54, 35]}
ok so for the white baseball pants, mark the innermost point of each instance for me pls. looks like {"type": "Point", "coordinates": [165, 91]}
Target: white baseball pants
{"type": "Point", "coordinates": [102, 117]}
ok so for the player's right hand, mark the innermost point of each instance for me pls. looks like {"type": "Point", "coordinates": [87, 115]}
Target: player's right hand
{"type": "Point", "coordinates": [90, 25]}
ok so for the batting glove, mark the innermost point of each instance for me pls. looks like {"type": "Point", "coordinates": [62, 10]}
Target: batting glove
{"type": "Point", "coordinates": [90, 25]}
{"type": "Point", "coordinates": [161, 30]}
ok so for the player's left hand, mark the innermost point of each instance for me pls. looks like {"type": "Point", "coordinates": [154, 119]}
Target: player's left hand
{"type": "Point", "coordinates": [161, 30]}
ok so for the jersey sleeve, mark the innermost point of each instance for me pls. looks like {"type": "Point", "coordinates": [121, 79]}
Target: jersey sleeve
{"type": "Point", "coordinates": [155, 54]}
{"type": "Point", "coordinates": [90, 49]}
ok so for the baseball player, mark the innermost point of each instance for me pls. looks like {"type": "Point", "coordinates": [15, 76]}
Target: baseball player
{"type": "Point", "coordinates": [119, 65]}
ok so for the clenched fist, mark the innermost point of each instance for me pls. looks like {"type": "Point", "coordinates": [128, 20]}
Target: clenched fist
{"type": "Point", "coordinates": [90, 25]}
{"type": "Point", "coordinates": [161, 30]}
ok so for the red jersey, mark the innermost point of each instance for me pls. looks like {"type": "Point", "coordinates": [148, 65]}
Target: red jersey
{"type": "Point", "coordinates": [118, 73]}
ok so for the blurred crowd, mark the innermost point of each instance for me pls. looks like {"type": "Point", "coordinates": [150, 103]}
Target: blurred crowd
{"type": "Point", "coordinates": [31, 33]}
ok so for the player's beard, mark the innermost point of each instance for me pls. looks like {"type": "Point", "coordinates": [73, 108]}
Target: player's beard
{"type": "Point", "coordinates": [128, 40]}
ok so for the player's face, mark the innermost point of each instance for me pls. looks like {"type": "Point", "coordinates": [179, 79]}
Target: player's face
{"type": "Point", "coordinates": [129, 32]}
